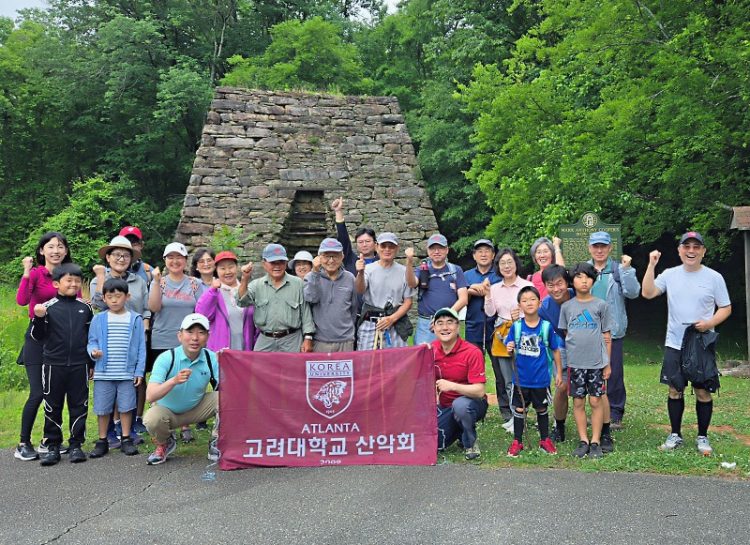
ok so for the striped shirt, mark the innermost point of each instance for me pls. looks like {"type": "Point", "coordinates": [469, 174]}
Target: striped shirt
{"type": "Point", "coordinates": [118, 341]}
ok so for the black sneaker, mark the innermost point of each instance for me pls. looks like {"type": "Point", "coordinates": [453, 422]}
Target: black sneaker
{"type": "Point", "coordinates": [76, 455]}
{"type": "Point", "coordinates": [43, 447]}
{"type": "Point", "coordinates": [128, 448]}
{"type": "Point", "coordinates": [201, 426]}
{"type": "Point", "coordinates": [51, 457]}
{"type": "Point", "coordinates": [101, 447]}
{"type": "Point", "coordinates": [607, 444]}
{"type": "Point", "coordinates": [25, 452]}
{"type": "Point", "coordinates": [595, 451]}
{"type": "Point", "coordinates": [558, 435]}
{"type": "Point", "coordinates": [581, 450]}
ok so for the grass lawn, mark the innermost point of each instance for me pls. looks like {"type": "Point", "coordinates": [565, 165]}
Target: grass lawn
{"type": "Point", "coordinates": [646, 422]}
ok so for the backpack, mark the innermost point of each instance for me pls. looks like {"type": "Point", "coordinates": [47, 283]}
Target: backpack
{"type": "Point", "coordinates": [452, 271]}
{"type": "Point", "coordinates": [211, 380]}
{"type": "Point", "coordinates": [546, 327]}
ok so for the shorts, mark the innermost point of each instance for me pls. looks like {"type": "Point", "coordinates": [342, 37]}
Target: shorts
{"type": "Point", "coordinates": [583, 382]}
{"type": "Point", "coordinates": [106, 392]}
{"type": "Point", "coordinates": [539, 398]}
{"type": "Point", "coordinates": [671, 373]}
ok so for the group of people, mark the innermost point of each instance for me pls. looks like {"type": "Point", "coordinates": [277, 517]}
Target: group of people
{"type": "Point", "coordinates": [554, 327]}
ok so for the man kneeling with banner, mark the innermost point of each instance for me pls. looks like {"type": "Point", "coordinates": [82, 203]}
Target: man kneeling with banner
{"type": "Point", "coordinates": [177, 389]}
{"type": "Point", "coordinates": [459, 369]}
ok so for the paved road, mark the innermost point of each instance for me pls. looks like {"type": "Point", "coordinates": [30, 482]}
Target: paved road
{"type": "Point", "coordinates": [120, 500]}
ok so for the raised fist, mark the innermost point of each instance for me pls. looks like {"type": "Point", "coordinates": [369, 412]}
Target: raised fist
{"type": "Point", "coordinates": [99, 270]}
{"type": "Point", "coordinates": [316, 263]}
{"type": "Point", "coordinates": [247, 270]}
{"type": "Point", "coordinates": [653, 257]}
{"type": "Point", "coordinates": [40, 311]}
{"type": "Point", "coordinates": [409, 253]}
{"type": "Point", "coordinates": [156, 275]}
{"type": "Point", "coordinates": [625, 260]}
{"type": "Point", "coordinates": [28, 263]}
{"type": "Point", "coordinates": [556, 241]}
{"type": "Point", "coordinates": [337, 204]}
{"type": "Point", "coordinates": [216, 283]}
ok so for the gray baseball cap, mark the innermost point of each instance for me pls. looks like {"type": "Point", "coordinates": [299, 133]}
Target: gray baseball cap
{"type": "Point", "coordinates": [387, 237]}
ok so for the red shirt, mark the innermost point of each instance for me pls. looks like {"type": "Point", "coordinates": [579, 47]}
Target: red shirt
{"type": "Point", "coordinates": [464, 365]}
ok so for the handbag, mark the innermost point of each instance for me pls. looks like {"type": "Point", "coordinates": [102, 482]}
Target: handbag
{"type": "Point", "coordinates": [498, 337]}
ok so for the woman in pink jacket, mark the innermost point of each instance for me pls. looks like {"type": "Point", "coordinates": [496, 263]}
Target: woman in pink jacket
{"type": "Point", "coordinates": [36, 288]}
{"type": "Point", "coordinates": [232, 326]}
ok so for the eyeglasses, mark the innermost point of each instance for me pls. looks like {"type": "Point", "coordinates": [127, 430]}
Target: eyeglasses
{"type": "Point", "coordinates": [330, 257]}
{"type": "Point", "coordinates": [120, 256]}
{"type": "Point", "coordinates": [206, 261]}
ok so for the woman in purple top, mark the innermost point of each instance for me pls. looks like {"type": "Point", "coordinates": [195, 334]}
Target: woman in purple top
{"type": "Point", "coordinates": [36, 288]}
{"type": "Point", "coordinates": [231, 326]}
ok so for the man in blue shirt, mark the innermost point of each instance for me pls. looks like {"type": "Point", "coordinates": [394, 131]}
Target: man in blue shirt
{"type": "Point", "coordinates": [479, 326]}
{"type": "Point", "coordinates": [177, 389]}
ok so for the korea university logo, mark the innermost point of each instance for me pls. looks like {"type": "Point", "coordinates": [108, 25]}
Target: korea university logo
{"type": "Point", "coordinates": [330, 386]}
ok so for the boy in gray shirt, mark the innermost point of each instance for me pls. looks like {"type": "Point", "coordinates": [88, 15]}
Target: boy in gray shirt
{"type": "Point", "coordinates": [586, 322]}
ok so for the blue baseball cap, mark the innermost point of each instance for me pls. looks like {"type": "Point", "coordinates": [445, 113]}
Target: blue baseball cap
{"type": "Point", "coordinates": [330, 245]}
{"type": "Point", "coordinates": [438, 239]}
{"type": "Point", "coordinates": [600, 237]}
{"type": "Point", "coordinates": [274, 252]}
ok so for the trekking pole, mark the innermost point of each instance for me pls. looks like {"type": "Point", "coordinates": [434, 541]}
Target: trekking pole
{"type": "Point", "coordinates": [517, 386]}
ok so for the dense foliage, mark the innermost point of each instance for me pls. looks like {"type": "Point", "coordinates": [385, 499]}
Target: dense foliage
{"type": "Point", "coordinates": [524, 113]}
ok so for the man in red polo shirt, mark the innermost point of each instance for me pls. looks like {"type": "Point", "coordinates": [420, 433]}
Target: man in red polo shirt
{"type": "Point", "coordinates": [459, 371]}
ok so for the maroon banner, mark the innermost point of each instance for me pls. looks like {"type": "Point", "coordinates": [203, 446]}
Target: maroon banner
{"type": "Point", "coordinates": [345, 408]}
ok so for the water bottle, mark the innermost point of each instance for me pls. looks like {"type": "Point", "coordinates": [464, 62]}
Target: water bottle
{"type": "Point", "coordinates": [424, 276]}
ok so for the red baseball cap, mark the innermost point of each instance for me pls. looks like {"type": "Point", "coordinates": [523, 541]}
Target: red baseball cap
{"type": "Point", "coordinates": [226, 254]}
{"type": "Point", "coordinates": [130, 230]}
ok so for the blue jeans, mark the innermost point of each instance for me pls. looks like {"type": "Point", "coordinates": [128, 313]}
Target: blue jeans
{"type": "Point", "coordinates": [460, 419]}
{"type": "Point", "coordinates": [423, 333]}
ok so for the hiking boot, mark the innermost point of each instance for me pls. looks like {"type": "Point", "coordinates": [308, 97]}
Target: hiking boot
{"type": "Point", "coordinates": [515, 448]}
{"type": "Point", "coordinates": [508, 425]}
{"type": "Point", "coordinates": [607, 444]}
{"type": "Point", "coordinates": [187, 436]}
{"type": "Point", "coordinates": [51, 457]}
{"type": "Point", "coordinates": [138, 426]}
{"type": "Point", "coordinates": [162, 452]}
{"type": "Point", "coordinates": [101, 448]}
{"type": "Point", "coordinates": [201, 426]}
{"type": "Point", "coordinates": [581, 450]}
{"type": "Point", "coordinates": [472, 453]}
{"type": "Point", "coordinates": [25, 452]}
{"type": "Point", "coordinates": [76, 455]}
{"type": "Point", "coordinates": [44, 447]}
{"type": "Point", "coordinates": [672, 442]}
{"type": "Point", "coordinates": [213, 450]}
{"type": "Point", "coordinates": [595, 451]}
{"type": "Point", "coordinates": [128, 447]}
{"type": "Point", "coordinates": [558, 435]}
{"type": "Point", "coordinates": [548, 446]}
{"type": "Point", "coordinates": [703, 446]}
{"type": "Point", "coordinates": [113, 440]}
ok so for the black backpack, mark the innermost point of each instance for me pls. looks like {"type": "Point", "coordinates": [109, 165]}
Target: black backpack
{"type": "Point", "coordinates": [698, 356]}
{"type": "Point", "coordinates": [211, 380]}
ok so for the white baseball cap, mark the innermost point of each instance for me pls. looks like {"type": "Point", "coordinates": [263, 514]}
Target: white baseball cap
{"type": "Point", "coordinates": [192, 319]}
{"type": "Point", "coordinates": [175, 247]}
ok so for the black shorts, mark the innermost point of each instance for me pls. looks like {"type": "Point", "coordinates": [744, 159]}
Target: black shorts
{"type": "Point", "coordinates": [671, 373]}
{"type": "Point", "coordinates": [583, 382]}
{"type": "Point", "coordinates": [151, 355]}
{"type": "Point", "coordinates": [539, 398]}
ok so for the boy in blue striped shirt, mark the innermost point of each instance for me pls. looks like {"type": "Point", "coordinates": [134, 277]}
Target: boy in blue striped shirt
{"type": "Point", "coordinates": [117, 343]}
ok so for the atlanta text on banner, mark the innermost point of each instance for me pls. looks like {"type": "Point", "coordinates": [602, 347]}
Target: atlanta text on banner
{"type": "Point", "coordinates": [348, 408]}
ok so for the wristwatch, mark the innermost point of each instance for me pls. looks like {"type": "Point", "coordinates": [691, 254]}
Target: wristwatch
{"type": "Point", "coordinates": [308, 337]}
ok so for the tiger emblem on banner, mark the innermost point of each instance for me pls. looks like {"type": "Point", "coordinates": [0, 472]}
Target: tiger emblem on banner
{"type": "Point", "coordinates": [330, 386]}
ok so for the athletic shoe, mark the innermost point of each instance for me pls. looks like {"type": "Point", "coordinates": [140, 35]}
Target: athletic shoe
{"type": "Point", "coordinates": [128, 448]}
{"type": "Point", "coordinates": [595, 451]}
{"type": "Point", "coordinates": [672, 442]}
{"type": "Point", "coordinates": [213, 450]}
{"type": "Point", "coordinates": [607, 444]}
{"type": "Point", "coordinates": [472, 453]}
{"type": "Point", "coordinates": [558, 435]}
{"type": "Point", "coordinates": [515, 448]}
{"type": "Point", "coordinates": [508, 425]}
{"type": "Point", "coordinates": [51, 457]}
{"type": "Point", "coordinates": [581, 450]}
{"type": "Point", "coordinates": [187, 435]}
{"type": "Point", "coordinates": [101, 448]}
{"type": "Point", "coordinates": [548, 446]}
{"type": "Point", "coordinates": [25, 452]}
{"type": "Point", "coordinates": [76, 455]}
{"type": "Point", "coordinates": [162, 452]}
{"type": "Point", "coordinates": [113, 440]}
{"type": "Point", "coordinates": [201, 426]}
{"type": "Point", "coordinates": [43, 447]}
{"type": "Point", "coordinates": [138, 426]}
{"type": "Point", "coordinates": [137, 439]}
{"type": "Point", "coordinates": [703, 446]}
{"type": "Point", "coordinates": [615, 425]}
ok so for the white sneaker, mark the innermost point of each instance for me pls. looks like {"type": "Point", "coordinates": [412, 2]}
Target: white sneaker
{"type": "Point", "coordinates": [703, 446]}
{"type": "Point", "coordinates": [673, 441]}
{"type": "Point", "coordinates": [508, 426]}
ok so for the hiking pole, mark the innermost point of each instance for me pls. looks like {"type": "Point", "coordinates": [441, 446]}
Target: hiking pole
{"type": "Point", "coordinates": [517, 385]}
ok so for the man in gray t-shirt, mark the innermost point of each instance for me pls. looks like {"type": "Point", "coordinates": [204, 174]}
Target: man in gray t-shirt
{"type": "Point", "coordinates": [697, 296]}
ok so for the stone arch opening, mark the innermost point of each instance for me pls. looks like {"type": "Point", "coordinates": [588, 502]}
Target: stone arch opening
{"type": "Point", "coordinates": [307, 223]}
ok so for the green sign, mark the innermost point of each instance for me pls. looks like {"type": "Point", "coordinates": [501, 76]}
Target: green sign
{"type": "Point", "coordinates": [575, 238]}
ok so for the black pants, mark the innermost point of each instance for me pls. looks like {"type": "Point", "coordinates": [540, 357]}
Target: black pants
{"type": "Point", "coordinates": [31, 358]}
{"type": "Point", "coordinates": [60, 382]}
